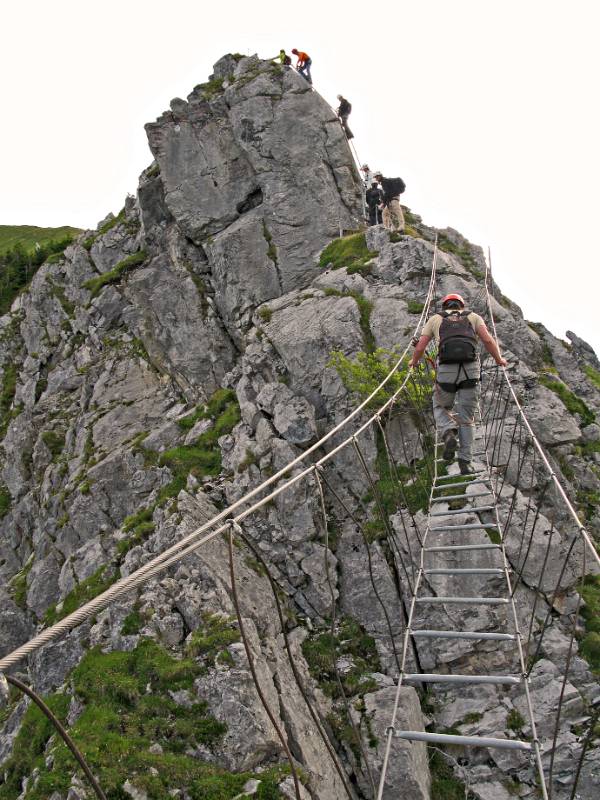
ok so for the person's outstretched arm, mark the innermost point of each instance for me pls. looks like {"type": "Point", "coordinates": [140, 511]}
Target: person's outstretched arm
{"type": "Point", "coordinates": [490, 345]}
{"type": "Point", "coordinates": [419, 350]}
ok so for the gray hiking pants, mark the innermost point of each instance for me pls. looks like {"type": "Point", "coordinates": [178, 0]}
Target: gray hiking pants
{"type": "Point", "coordinates": [456, 409]}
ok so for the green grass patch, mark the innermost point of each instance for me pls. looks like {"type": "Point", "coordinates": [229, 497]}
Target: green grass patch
{"type": "Point", "coordinates": [322, 649]}
{"type": "Point", "coordinates": [68, 306]}
{"type": "Point", "coordinates": [29, 747]}
{"type": "Point", "coordinates": [588, 501]}
{"type": "Point", "coordinates": [18, 584]}
{"type": "Point", "coordinates": [444, 783]}
{"type": "Point", "coordinates": [463, 253]}
{"type": "Point", "coordinates": [7, 396]}
{"type": "Point", "coordinates": [5, 501]}
{"type": "Point", "coordinates": [28, 236]}
{"type": "Point", "coordinates": [589, 645]}
{"type": "Point", "coordinates": [573, 404]}
{"type": "Point", "coordinates": [214, 635]}
{"type": "Point", "coordinates": [265, 313]}
{"type": "Point", "coordinates": [55, 442]}
{"type": "Point", "coordinates": [414, 307]}
{"type": "Point", "coordinates": [349, 252]}
{"type": "Point", "coordinates": [128, 708]}
{"type": "Point", "coordinates": [515, 721]}
{"type": "Point", "coordinates": [593, 375]}
{"type": "Point", "coordinates": [95, 285]}
{"type": "Point", "coordinates": [201, 458]}
{"type": "Point", "coordinates": [211, 88]}
{"type": "Point", "coordinates": [84, 592]}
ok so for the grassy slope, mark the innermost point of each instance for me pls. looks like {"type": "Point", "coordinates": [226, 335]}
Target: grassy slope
{"type": "Point", "coordinates": [28, 235]}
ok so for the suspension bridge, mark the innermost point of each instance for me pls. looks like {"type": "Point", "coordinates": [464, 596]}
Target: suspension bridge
{"type": "Point", "coordinates": [479, 542]}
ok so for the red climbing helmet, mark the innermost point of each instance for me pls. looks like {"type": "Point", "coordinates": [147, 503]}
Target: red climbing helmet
{"type": "Point", "coordinates": [294, 51]}
{"type": "Point", "coordinates": [453, 297]}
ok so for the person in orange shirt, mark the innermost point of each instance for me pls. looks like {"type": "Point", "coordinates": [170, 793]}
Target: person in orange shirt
{"type": "Point", "coordinates": [303, 64]}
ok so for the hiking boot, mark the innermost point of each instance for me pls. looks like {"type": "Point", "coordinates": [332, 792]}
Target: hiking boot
{"type": "Point", "coordinates": [465, 467]}
{"type": "Point", "coordinates": [449, 438]}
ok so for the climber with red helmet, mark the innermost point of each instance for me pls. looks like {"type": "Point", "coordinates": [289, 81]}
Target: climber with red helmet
{"type": "Point", "coordinates": [458, 373]}
{"type": "Point", "coordinates": [303, 64]}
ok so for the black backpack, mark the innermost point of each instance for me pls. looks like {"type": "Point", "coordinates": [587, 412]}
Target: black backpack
{"type": "Point", "coordinates": [458, 340]}
{"type": "Point", "coordinates": [393, 187]}
{"type": "Point", "coordinates": [287, 61]}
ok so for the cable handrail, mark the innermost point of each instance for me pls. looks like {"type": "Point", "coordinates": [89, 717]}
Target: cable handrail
{"type": "Point", "coordinates": [552, 473]}
{"type": "Point", "coordinates": [191, 542]}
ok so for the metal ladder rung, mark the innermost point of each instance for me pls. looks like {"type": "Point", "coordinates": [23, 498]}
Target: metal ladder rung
{"type": "Point", "coordinates": [465, 741]}
{"type": "Point", "coordinates": [509, 680]}
{"type": "Point", "coordinates": [470, 510]}
{"type": "Point", "coordinates": [449, 461]}
{"type": "Point", "coordinates": [470, 601]}
{"type": "Point", "coordinates": [459, 497]}
{"type": "Point", "coordinates": [474, 571]}
{"type": "Point", "coordinates": [431, 634]}
{"type": "Point", "coordinates": [453, 548]}
{"type": "Point", "coordinates": [460, 483]}
{"type": "Point", "coordinates": [468, 527]}
{"type": "Point", "coordinates": [459, 476]}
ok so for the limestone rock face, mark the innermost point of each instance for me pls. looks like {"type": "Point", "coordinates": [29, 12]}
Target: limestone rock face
{"type": "Point", "coordinates": [244, 180]}
{"type": "Point", "coordinates": [180, 355]}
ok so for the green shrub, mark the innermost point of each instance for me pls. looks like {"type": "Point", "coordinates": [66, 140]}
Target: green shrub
{"type": "Point", "coordinates": [573, 404]}
{"type": "Point", "coordinates": [348, 252]}
{"type": "Point", "coordinates": [363, 374]}
{"type": "Point", "coordinates": [20, 262]}
{"type": "Point", "coordinates": [95, 285]}
{"type": "Point", "coordinates": [265, 314]}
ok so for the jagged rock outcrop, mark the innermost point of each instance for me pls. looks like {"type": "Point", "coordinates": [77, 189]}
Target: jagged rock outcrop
{"type": "Point", "coordinates": [178, 356]}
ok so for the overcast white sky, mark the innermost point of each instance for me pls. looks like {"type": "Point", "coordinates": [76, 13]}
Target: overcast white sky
{"type": "Point", "coordinates": [487, 108]}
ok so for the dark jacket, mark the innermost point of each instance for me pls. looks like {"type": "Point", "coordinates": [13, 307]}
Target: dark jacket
{"type": "Point", "coordinates": [345, 107]}
{"type": "Point", "coordinates": [392, 187]}
{"type": "Point", "coordinates": [373, 196]}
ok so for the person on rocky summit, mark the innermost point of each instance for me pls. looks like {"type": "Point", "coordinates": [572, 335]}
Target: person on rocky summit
{"type": "Point", "coordinates": [283, 58]}
{"type": "Point", "coordinates": [343, 113]}
{"type": "Point", "coordinates": [393, 218]}
{"type": "Point", "coordinates": [456, 390]}
{"type": "Point", "coordinates": [303, 64]}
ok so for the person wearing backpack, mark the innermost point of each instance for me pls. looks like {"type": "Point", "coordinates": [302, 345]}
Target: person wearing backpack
{"type": "Point", "coordinates": [393, 218]}
{"type": "Point", "coordinates": [456, 392]}
{"type": "Point", "coordinates": [343, 113]}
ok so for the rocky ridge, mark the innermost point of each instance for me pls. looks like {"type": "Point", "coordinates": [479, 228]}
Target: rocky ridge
{"type": "Point", "coordinates": [172, 360]}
